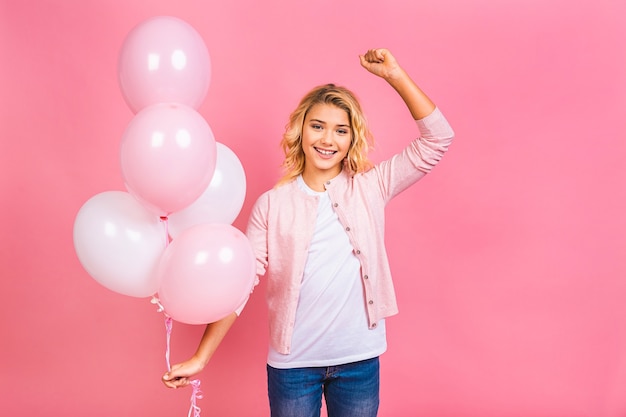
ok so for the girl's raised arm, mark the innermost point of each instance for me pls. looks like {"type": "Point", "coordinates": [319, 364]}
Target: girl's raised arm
{"type": "Point", "coordinates": [382, 63]}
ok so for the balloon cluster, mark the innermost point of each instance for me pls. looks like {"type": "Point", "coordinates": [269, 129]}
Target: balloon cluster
{"type": "Point", "coordinates": [170, 233]}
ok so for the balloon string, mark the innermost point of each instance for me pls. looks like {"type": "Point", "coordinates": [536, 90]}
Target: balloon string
{"type": "Point", "coordinates": [155, 300]}
{"type": "Point", "coordinates": [167, 232]}
{"type": "Point", "coordinates": [168, 331]}
{"type": "Point", "coordinates": [196, 394]}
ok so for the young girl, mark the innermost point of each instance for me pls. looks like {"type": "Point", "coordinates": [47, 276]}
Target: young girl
{"type": "Point", "coordinates": [319, 237]}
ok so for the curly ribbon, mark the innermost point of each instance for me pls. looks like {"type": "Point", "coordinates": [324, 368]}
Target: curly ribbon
{"type": "Point", "coordinates": [196, 394]}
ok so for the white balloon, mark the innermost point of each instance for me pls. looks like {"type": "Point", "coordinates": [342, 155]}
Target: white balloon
{"type": "Point", "coordinates": [222, 200]}
{"type": "Point", "coordinates": [119, 243]}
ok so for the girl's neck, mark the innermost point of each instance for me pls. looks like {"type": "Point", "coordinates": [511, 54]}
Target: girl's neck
{"type": "Point", "coordinates": [316, 180]}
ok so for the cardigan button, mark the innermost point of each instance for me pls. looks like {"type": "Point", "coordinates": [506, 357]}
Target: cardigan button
{"type": "Point", "coordinates": [373, 325]}
{"type": "Point", "coordinates": [365, 277]}
{"type": "Point", "coordinates": [347, 229]}
{"type": "Point", "coordinates": [358, 252]}
{"type": "Point", "coordinates": [336, 205]}
{"type": "Point", "coordinates": [370, 302]}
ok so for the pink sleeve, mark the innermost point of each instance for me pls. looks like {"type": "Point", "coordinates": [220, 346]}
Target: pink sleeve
{"type": "Point", "coordinates": [257, 235]}
{"type": "Point", "coordinates": [418, 158]}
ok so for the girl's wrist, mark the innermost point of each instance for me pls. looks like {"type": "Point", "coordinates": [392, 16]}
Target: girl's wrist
{"type": "Point", "coordinates": [201, 360]}
{"type": "Point", "coordinates": [397, 77]}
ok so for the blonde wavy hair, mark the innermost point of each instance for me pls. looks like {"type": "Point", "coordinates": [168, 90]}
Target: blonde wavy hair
{"type": "Point", "coordinates": [361, 139]}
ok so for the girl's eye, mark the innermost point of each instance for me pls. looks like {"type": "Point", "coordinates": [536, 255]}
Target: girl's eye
{"type": "Point", "coordinates": [316, 127]}
{"type": "Point", "coordinates": [342, 131]}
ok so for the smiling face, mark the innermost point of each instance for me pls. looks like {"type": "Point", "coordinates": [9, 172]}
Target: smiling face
{"type": "Point", "coordinates": [326, 139]}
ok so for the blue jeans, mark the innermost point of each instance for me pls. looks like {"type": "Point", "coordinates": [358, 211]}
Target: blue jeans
{"type": "Point", "coordinates": [350, 390]}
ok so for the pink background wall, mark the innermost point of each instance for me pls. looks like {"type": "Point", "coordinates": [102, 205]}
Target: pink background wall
{"type": "Point", "coordinates": [509, 260]}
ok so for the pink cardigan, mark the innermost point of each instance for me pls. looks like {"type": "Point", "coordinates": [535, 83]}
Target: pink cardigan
{"type": "Point", "coordinates": [282, 220]}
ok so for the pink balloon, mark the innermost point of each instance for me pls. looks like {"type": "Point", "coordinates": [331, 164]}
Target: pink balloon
{"type": "Point", "coordinates": [164, 59]}
{"type": "Point", "coordinates": [221, 202]}
{"type": "Point", "coordinates": [206, 273]}
{"type": "Point", "coordinates": [168, 156]}
{"type": "Point", "coordinates": [119, 243]}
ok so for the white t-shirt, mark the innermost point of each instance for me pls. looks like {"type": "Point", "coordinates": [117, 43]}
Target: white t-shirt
{"type": "Point", "coordinates": [331, 323]}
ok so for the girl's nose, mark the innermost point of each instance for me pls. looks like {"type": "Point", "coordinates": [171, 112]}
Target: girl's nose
{"type": "Point", "coordinates": [327, 136]}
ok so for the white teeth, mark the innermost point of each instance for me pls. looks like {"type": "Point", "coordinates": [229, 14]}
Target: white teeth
{"type": "Point", "coordinates": [325, 152]}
